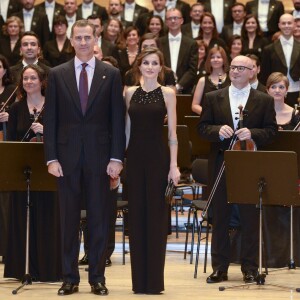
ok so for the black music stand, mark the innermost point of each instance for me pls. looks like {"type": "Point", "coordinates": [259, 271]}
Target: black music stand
{"type": "Point", "coordinates": [287, 140]}
{"type": "Point", "coordinates": [260, 174]}
{"type": "Point", "coordinates": [23, 168]}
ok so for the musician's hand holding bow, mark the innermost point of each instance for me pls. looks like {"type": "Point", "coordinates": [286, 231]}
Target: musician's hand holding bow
{"type": "Point", "coordinates": [226, 132]}
{"type": "Point", "coordinates": [37, 127]}
{"type": "Point", "coordinates": [3, 117]}
{"type": "Point", "coordinates": [243, 134]}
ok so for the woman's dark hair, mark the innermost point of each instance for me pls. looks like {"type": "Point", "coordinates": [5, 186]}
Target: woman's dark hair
{"type": "Point", "coordinates": [215, 34]}
{"type": "Point", "coordinates": [139, 59]}
{"type": "Point", "coordinates": [234, 38]}
{"type": "Point", "coordinates": [21, 93]}
{"type": "Point", "coordinates": [148, 36]}
{"type": "Point", "coordinates": [59, 20]}
{"type": "Point", "coordinates": [162, 31]}
{"type": "Point", "coordinates": [111, 60]}
{"type": "Point", "coordinates": [120, 43]}
{"type": "Point", "coordinates": [212, 51]}
{"type": "Point", "coordinates": [244, 32]}
{"type": "Point", "coordinates": [6, 79]}
{"type": "Point", "coordinates": [129, 29]}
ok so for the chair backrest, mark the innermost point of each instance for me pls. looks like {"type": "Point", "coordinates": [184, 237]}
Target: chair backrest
{"type": "Point", "coordinates": [200, 171]}
{"type": "Point", "coordinates": [200, 146]}
{"type": "Point", "coordinates": [184, 157]}
{"type": "Point", "coordinates": [183, 107]}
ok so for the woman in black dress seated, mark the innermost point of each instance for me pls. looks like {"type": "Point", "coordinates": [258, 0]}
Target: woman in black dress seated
{"type": "Point", "coordinates": [216, 67]}
{"type": "Point", "coordinates": [25, 122]}
{"type": "Point", "coordinates": [59, 50]}
{"type": "Point", "coordinates": [277, 218]}
{"type": "Point", "coordinates": [10, 43]}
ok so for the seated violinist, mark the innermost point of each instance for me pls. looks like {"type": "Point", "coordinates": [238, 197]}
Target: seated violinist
{"type": "Point", "coordinates": [219, 125]}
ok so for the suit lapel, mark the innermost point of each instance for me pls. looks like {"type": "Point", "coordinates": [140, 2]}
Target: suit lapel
{"type": "Point", "coordinates": [69, 78]}
{"type": "Point", "coordinates": [34, 20]}
{"type": "Point", "coordinates": [250, 106]}
{"type": "Point", "coordinates": [279, 51]}
{"type": "Point", "coordinates": [295, 54]}
{"type": "Point", "coordinates": [224, 106]}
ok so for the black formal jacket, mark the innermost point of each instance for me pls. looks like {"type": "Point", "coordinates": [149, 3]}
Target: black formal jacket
{"type": "Point", "coordinates": [12, 56]}
{"type": "Point", "coordinates": [13, 7]}
{"type": "Point", "coordinates": [107, 47]}
{"type": "Point", "coordinates": [100, 133]}
{"type": "Point", "coordinates": [186, 29]}
{"type": "Point", "coordinates": [39, 25]}
{"type": "Point", "coordinates": [276, 9]}
{"type": "Point", "coordinates": [260, 120]}
{"type": "Point", "coordinates": [123, 62]}
{"type": "Point", "coordinates": [56, 57]}
{"type": "Point", "coordinates": [227, 33]}
{"type": "Point", "coordinates": [187, 61]}
{"type": "Point", "coordinates": [226, 10]}
{"type": "Point", "coordinates": [273, 60]}
{"type": "Point", "coordinates": [258, 46]}
{"type": "Point", "coordinates": [185, 10]}
{"type": "Point", "coordinates": [98, 10]}
{"type": "Point", "coordinates": [58, 10]}
{"type": "Point", "coordinates": [138, 10]}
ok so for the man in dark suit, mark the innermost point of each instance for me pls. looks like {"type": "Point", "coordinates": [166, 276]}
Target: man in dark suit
{"type": "Point", "coordinates": [159, 9]}
{"type": "Point", "coordinates": [30, 50]}
{"type": "Point", "coordinates": [180, 52]}
{"type": "Point", "coordinates": [218, 124]}
{"type": "Point", "coordinates": [88, 8]}
{"type": "Point", "coordinates": [283, 56]}
{"type": "Point", "coordinates": [106, 46]}
{"type": "Point", "coordinates": [214, 8]}
{"type": "Point", "coordinates": [191, 29]}
{"type": "Point", "coordinates": [255, 84]}
{"type": "Point", "coordinates": [238, 13]}
{"type": "Point", "coordinates": [52, 9]}
{"type": "Point", "coordinates": [70, 12]}
{"type": "Point", "coordinates": [84, 146]}
{"type": "Point", "coordinates": [296, 11]}
{"type": "Point", "coordinates": [131, 11]}
{"type": "Point", "coordinates": [34, 20]}
{"type": "Point", "coordinates": [182, 6]}
{"type": "Point", "coordinates": [269, 25]}
{"type": "Point", "coordinates": [10, 8]}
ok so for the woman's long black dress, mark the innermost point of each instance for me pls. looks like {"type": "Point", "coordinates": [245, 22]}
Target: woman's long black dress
{"type": "Point", "coordinates": [147, 172]}
{"type": "Point", "coordinates": [44, 250]}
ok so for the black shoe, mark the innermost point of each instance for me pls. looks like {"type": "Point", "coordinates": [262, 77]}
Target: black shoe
{"type": "Point", "coordinates": [99, 289]}
{"type": "Point", "coordinates": [84, 260]}
{"type": "Point", "coordinates": [250, 276]}
{"type": "Point", "coordinates": [217, 276]}
{"type": "Point", "coordinates": [107, 262]}
{"type": "Point", "coordinates": [67, 288]}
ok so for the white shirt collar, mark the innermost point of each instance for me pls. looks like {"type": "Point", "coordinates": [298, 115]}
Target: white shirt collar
{"type": "Point", "coordinates": [28, 12]}
{"type": "Point", "coordinates": [287, 41]}
{"type": "Point", "coordinates": [26, 64]}
{"type": "Point", "coordinates": [178, 36]}
{"type": "Point", "coordinates": [91, 63]}
{"type": "Point", "coordinates": [244, 90]}
{"type": "Point", "coordinates": [49, 4]}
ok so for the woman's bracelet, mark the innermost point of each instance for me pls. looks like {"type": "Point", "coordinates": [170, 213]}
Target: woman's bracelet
{"type": "Point", "coordinates": [173, 142]}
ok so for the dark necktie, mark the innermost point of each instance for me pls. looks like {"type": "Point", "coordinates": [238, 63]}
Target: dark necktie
{"type": "Point", "coordinates": [83, 88]}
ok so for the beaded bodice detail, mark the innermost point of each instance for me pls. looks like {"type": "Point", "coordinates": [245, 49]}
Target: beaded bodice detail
{"type": "Point", "coordinates": [143, 97]}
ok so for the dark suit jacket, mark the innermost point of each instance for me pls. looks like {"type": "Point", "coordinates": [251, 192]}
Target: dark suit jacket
{"type": "Point", "coordinates": [276, 9]}
{"type": "Point", "coordinates": [17, 69]}
{"type": "Point", "coordinates": [58, 10]}
{"type": "Point", "coordinates": [107, 47]}
{"type": "Point", "coordinates": [226, 34]}
{"type": "Point", "coordinates": [186, 29]}
{"type": "Point", "coordinates": [56, 57]}
{"type": "Point", "coordinates": [226, 9]}
{"type": "Point", "coordinates": [12, 56]}
{"type": "Point", "coordinates": [100, 132]}
{"type": "Point", "coordinates": [123, 62]}
{"type": "Point", "coordinates": [185, 10]}
{"type": "Point", "coordinates": [258, 46]}
{"type": "Point", "coordinates": [187, 61]}
{"type": "Point", "coordinates": [273, 60]}
{"type": "Point", "coordinates": [13, 7]}
{"type": "Point", "coordinates": [98, 10]}
{"type": "Point", "coordinates": [261, 88]}
{"type": "Point", "coordinates": [138, 10]}
{"type": "Point", "coordinates": [39, 25]}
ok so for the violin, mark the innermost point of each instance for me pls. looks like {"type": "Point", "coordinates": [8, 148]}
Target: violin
{"type": "Point", "coordinates": [246, 144]}
{"type": "Point", "coordinates": [38, 137]}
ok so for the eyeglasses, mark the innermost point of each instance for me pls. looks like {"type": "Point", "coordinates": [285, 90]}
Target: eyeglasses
{"type": "Point", "coordinates": [240, 69]}
{"type": "Point", "coordinates": [173, 18]}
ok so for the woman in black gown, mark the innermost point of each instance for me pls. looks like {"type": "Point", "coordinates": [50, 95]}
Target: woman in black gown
{"type": "Point", "coordinates": [44, 248]}
{"type": "Point", "coordinates": [148, 170]}
{"type": "Point", "coordinates": [277, 218]}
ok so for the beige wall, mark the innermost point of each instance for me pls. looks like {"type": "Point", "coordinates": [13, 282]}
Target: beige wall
{"type": "Point", "coordinates": [288, 4]}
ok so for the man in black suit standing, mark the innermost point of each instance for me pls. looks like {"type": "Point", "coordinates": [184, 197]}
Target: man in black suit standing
{"type": "Point", "coordinates": [218, 124]}
{"type": "Point", "coordinates": [191, 29]}
{"type": "Point", "coordinates": [268, 13]}
{"type": "Point", "coordinates": [88, 8]}
{"type": "Point", "coordinates": [283, 56]}
{"type": "Point", "coordinates": [34, 20]}
{"type": "Point", "coordinates": [180, 52]}
{"type": "Point", "coordinates": [8, 8]}
{"type": "Point", "coordinates": [52, 9]}
{"type": "Point", "coordinates": [70, 12]}
{"type": "Point", "coordinates": [84, 146]}
{"type": "Point", "coordinates": [182, 6]}
{"type": "Point", "coordinates": [131, 11]}
{"type": "Point", "coordinates": [254, 82]}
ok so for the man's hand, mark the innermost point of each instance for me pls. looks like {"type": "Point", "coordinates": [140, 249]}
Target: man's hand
{"type": "Point", "coordinates": [55, 169]}
{"type": "Point", "coordinates": [243, 134]}
{"type": "Point", "coordinates": [114, 169]}
{"type": "Point", "coordinates": [226, 132]}
{"type": "Point", "coordinates": [3, 117]}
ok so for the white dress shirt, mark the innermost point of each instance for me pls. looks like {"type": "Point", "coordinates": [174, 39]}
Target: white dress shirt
{"type": "Point", "coordinates": [296, 14]}
{"type": "Point", "coordinates": [217, 9]}
{"type": "Point", "coordinates": [162, 14]}
{"type": "Point", "coordinates": [27, 14]}
{"type": "Point", "coordinates": [70, 21]}
{"type": "Point", "coordinates": [195, 29]}
{"type": "Point", "coordinates": [129, 11]}
{"type": "Point", "coordinates": [174, 45]}
{"type": "Point", "coordinates": [263, 10]}
{"type": "Point", "coordinates": [237, 28]}
{"type": "Point", "coordinates": [4, 8]}
{"type": "Point", "coordinates": [49, 7]}
{"type": "Point", "coordinates": [90, 68]}
{"type": "Point", "coordinates": [171, 4]}
{"type": "Point", "coordinates": [87, 10]}
{"type": "Point", "coordinates": [238, 97]}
